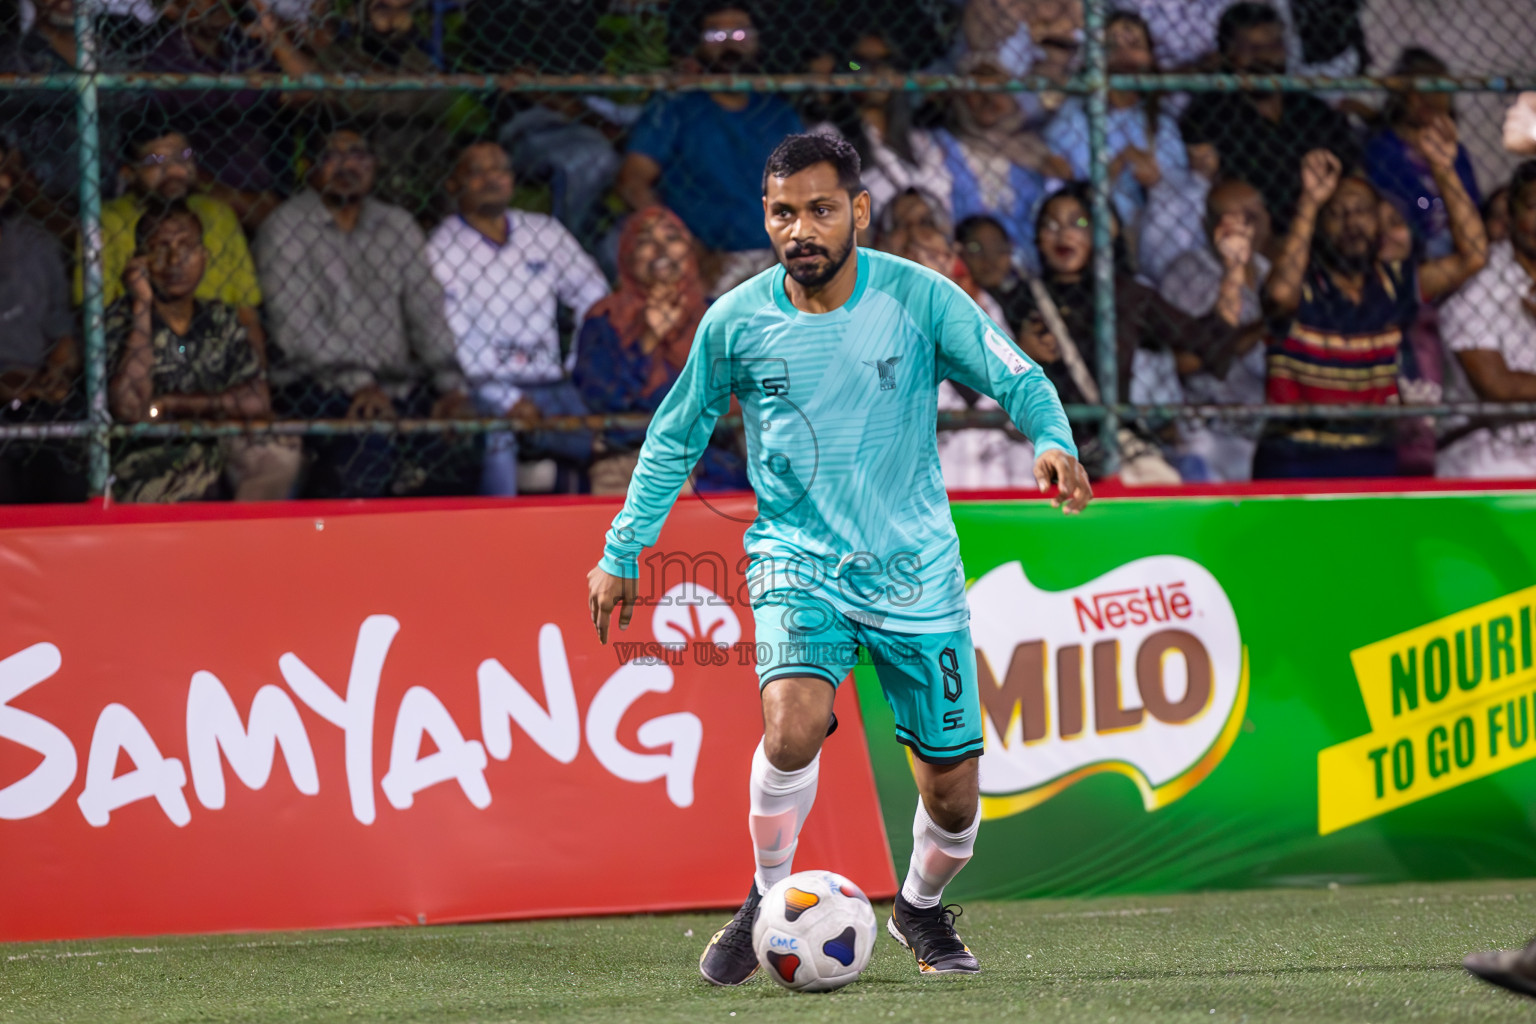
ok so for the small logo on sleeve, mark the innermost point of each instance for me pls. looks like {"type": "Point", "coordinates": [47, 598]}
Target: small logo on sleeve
{"type": "Point", "coordinates": [886, 368]}
{"type": "Point", "coordinates": [1011, 358]}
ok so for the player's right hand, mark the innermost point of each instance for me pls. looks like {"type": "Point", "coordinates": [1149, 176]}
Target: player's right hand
{"type": "Point", "coordinates": [1072, 491]}
{"type": "Point", "coordinates": [603, 592]}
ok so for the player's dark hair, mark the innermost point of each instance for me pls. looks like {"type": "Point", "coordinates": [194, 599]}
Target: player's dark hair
{"type": "Point", "coordinates": [1520, 183]}
{"type": "Point", "coordinates": [797, 152]}
{"type": "Point", "coordinates": [157, 213]}
{"type": "Point", "coordinates": [1241, 17]}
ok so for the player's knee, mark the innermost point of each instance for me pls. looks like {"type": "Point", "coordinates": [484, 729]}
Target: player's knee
{"type": "Point", "coordinates": [952, 797]}
{"type": "Point", "coordinates": [790, 744]}
{"type": "Point", "coordinates": [795, 717]}
{"type": "Point", "coordinates": [789, 752]}
{"type": "Point", "coordinates": [952, 812]}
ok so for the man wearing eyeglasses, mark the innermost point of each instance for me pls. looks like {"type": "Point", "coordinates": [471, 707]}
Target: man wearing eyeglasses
{"type": "Point", "coordinates": [160, 165]}
{"type": "Point", "coordinates": [701, 153]}
{"type": "Point", "coordinates": [355, 309]}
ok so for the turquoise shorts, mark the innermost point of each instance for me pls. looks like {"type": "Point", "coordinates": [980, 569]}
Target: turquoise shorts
{"type": "Point", "coordinates": [929, 679]}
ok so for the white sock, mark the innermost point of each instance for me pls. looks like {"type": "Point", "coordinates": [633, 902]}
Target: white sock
{"type": "Point", "coordinates": [780, 803]}
{"type": "Point", "coordinates": [937, 857]}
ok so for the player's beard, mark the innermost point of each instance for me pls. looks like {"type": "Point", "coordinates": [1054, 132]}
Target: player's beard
{"type": "Point", "coordinates": [818, 276]}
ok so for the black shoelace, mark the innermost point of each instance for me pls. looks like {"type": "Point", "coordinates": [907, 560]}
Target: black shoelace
{"type": "Point", "coordinates": [738, 937]}
{"type": "Point", "coordinates": [937, 932]}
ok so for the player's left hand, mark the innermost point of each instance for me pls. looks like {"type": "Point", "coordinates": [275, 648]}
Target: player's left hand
{"type": "Point", "coordinates": [1072, 491]}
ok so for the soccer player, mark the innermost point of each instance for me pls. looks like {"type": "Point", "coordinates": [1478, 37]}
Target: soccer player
{"type": "Point", "coordinates": [836, 356]}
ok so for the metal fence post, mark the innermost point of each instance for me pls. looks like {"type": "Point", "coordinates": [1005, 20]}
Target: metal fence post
{"type": "Point", "coordinates": [88, 125]}
{"type": "Point", "coordinates": [1097, 80]}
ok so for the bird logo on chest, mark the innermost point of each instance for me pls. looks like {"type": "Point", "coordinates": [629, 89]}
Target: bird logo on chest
{"type": "Point", "coordinates": [886, 368]}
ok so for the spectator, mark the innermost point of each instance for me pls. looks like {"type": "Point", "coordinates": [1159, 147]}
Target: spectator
{"type": "Point", "coordinates": [988, 254]}
{"type": "Point", "coordinates": [634, 343]}
{"type": "Point", "coordinates": [177, 358]}
{"type": "Point", "coordinates": [39, 359]}
{"type": "Point", "coordinates": [41, 124]}
{"type": "Point", "coordinates": [1260, 136]}
{"type": "Point", "coordinates": [914, 207]}
{"type": "Point", "coordinates": [1175, 212]}
{"type": "Point", "coordinates": [160, 166]}
{"type": "Point", "coordinates": [1322, 37]}
{"type": "Point", "coordinates": [995, 166]}
{"type": "Point", "coordinates": [231, 131]}
{"type": "Point", "coordinates": [1396, 164]}
{"type": "Point", "coordinates": [894, 153]}
{"type": "Point", "coordinates": [971, 458]}
{"type": "Point", "coordinates": [702, 154]}
{"type": "Point", "coordinates": [504, 272]}
{"type": "Point", "coordinates": [1024, 37]}
{"type": "Point", "coordinates": [355, 309]}
{"type": "Point", "coordinates": [1421, 366]}
{"type": "Point", "coordinates": [933, 249]}
{"type": "Point", "coordinates": [1192, 283]}
{"type": "Point", "coordinates": [1183, 31]}
{"type": "Point", "coordinates": [1143, 319]}
{"type": "Point", "coordinates": [410, 131]}
{"type": "Point", "coordinates": [1496, 214]}
{"type": "Point", "coordinates": [1148, 151]}
{"type": "Point", "coordinates": [1349, 310]}
{"type": "Point", "coordinates": [1490, 325]}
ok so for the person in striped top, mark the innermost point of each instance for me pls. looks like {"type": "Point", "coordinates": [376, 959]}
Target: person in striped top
{"type": "Point", "coordinates": [1341, 312]}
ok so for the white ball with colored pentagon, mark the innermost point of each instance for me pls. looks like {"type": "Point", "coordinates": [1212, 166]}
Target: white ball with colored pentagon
{"type": "Point", "coordinates": [815, 932]}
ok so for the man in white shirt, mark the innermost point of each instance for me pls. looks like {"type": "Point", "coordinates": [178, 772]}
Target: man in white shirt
{"type": "Point", "coordinates": [1490, 325]}
{"type": "Point", "coordinates": [504, 274]}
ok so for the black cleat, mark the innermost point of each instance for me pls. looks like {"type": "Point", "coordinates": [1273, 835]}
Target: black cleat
{"type": "Point", "coordinates": [729, 958]}
{"type": "Point", "coordinates": [1514, 969]}
{"type": "Point", "coordinates": [930, 935]}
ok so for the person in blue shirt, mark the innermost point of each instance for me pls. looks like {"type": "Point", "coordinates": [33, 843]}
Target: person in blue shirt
{"type": "Point", "coordinates": [1143, 138]}
{"type": "Point", "coordinates": [700, 154]}
{"type": "Point", "coordinates": [835, 355]}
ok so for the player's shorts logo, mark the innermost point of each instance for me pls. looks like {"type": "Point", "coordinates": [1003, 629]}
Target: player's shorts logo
{"type": "Point", "coordinates": [886, 368]}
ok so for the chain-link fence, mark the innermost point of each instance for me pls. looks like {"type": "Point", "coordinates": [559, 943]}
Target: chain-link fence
{"type": "Point", "coordinates": [380, 247]}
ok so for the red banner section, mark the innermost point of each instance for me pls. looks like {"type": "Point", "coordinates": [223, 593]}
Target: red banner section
{"type": "Point", "coordinates": [367, 719]}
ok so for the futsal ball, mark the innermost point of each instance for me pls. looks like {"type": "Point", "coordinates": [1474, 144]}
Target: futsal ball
{"type": "Point", "coordinates": [815, 932]}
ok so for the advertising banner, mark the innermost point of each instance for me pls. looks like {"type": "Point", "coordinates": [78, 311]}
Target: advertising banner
{"type": "Point", "coordinates": [324, 721]}
{"type": "Point", "coordinates": [328, 719]}
{"type": "Point", "coordinates": [1182, 694]}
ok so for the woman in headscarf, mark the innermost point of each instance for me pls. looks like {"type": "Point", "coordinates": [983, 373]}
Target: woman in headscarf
{"type": "Point", "coordinates": [996, 166]}
{"type": "Point", "coordinates": [633, 345]}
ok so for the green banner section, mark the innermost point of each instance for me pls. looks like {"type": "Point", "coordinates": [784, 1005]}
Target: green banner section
{"type": "Point", "coordinates": [1186, 694]}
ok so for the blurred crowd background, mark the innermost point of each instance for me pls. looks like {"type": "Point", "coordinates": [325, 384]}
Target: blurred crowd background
{"type": "Point", "coordinates": [463, 268]}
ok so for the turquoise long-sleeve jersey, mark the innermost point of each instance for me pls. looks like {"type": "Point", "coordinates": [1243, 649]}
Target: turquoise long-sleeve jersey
{"type": "Point", "coordinates": [840, 411]}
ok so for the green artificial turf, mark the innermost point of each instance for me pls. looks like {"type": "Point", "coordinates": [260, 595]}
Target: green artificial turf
{"type": "Point", "coordinates": [1366, 954]}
